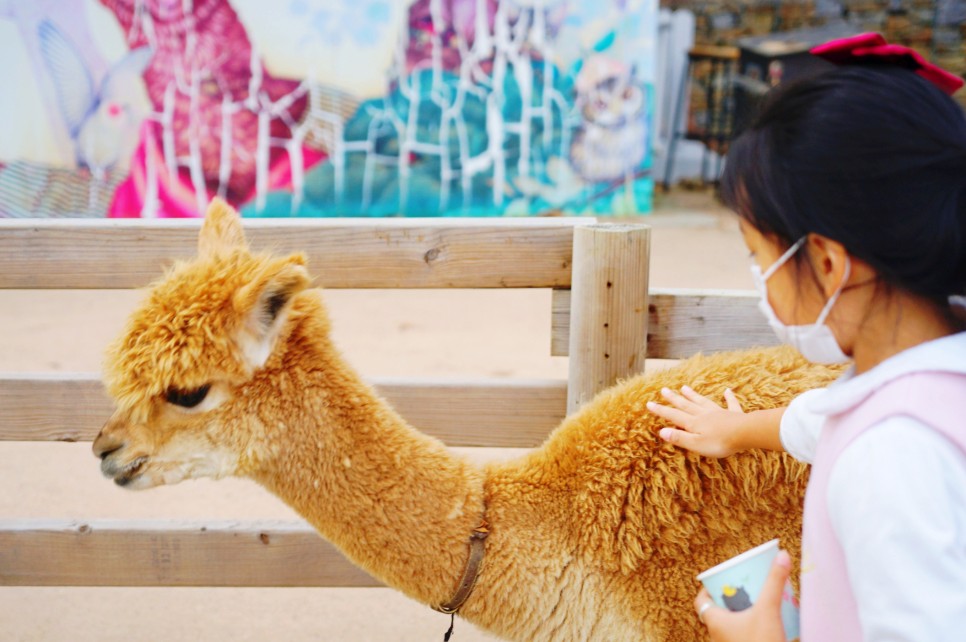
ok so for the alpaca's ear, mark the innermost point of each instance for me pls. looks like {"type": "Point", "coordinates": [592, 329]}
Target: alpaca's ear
{"type": "Point", "coordinates": [222, 230]}
{"type": "Point", "coordinates": [263, 305]}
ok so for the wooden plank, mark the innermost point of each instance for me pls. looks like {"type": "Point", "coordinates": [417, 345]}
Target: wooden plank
{"type": "Point", "coordinates": [560, 322]}
{"type": "Point", "coordinates": [489, 413]}
{"type": "Point", "coordinates": [365, 253]}
{"type": "Point", "coordinates": [684, 322]}
{"type": "Point", "coordinates": [52, 406]}
{"type": "Point", "coordinates": [486, 413]}
{"type": "Point", "coordinates": [170, 553]}
{"type": "Point", "coordinates": [608, 311]}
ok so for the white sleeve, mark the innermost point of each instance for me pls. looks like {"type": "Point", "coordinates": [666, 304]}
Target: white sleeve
{"type": "Point", "coordinates": [800, 428]}
{"type": "Point", "coordinates": [897, 503]}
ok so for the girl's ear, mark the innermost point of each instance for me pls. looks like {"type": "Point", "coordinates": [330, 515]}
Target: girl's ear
{"type": "Point", "coordinates": [830, 262]}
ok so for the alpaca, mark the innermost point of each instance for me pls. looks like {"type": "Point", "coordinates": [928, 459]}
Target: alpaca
{"type": "Point", "coordinates": [227, 368]}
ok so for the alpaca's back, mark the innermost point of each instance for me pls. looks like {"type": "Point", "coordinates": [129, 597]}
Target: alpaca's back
{"type": "Point", "coordinates": [649, 516]}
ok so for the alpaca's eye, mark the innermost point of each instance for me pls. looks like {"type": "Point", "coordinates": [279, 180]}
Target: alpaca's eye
{"type": "Point", "coordinates": [187, 398]}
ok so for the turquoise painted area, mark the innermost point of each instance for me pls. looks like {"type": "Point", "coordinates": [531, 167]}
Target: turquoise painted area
{"type": "Point", "coordinates": [448, 127]}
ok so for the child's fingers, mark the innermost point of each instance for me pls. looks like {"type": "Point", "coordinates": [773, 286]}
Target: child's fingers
{"type": "Point", "coordinates": [703, 605]}
{"type": "Point", "coordinates": [675, 416]}
{"type": "Point", "coordinates": [732, 400]}
{"type": "Point", "coordinates": [680, 402]}
{"type": "Point", "coordinates": [771, 592]}
{"type": "Point", "coordinates": [702, 598]}
{"type": "Point", "coordinates": [698, 399]}
{"type": "Point", "coordinates": [682, 438]}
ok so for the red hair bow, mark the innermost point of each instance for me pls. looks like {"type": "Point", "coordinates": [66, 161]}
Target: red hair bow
{"type": "Point", "coordinates": [872, 47]}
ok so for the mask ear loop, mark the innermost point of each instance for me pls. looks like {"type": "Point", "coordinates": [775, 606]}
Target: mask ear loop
{"type": "Point", "coordinates": [831, 302]}
{"type": "Point", "coordinates": [783, 259]}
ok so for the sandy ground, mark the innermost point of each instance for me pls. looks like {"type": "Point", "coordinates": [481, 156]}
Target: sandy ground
{"type": "Point", "coordinates": [500, 334]}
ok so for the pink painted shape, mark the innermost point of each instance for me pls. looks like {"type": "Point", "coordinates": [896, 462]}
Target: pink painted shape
{"type": "Point", "coordinates": [176, 195]}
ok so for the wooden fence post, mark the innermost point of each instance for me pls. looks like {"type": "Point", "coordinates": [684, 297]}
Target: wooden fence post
{"type": "Point", "coordinates": [608, 309]}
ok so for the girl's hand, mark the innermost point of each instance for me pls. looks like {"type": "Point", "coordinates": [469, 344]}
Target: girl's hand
{"type": "Point", "coordinates": [705, 427]}
{"type": "Point", "coordinates": [761, 623]}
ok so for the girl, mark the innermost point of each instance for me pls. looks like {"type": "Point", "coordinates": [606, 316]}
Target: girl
{"type": "Point", "coordinates": [851, 194]}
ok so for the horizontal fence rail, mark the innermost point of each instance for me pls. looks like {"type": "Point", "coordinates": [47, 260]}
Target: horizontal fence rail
{"type": "Point", "coordinates": [383, 253]}
{"type": "Point", "coordinates": [487, 413]}
{"type": "Point", "coordinates": [44, 552]}
{"type": "Point", "coordinates": [683, 322]}
{"type": "Point", "coordinates": [515, 414]}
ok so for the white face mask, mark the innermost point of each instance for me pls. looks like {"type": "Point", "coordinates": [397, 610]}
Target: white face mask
{"type": "Point", "coordinates": [815, 341]}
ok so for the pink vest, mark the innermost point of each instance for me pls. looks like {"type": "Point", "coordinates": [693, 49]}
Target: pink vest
{"type": "Point", "coordinates": [828, 609]}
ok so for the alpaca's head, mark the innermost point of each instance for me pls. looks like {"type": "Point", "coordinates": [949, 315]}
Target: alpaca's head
{"type": "Point", "coordinates": [181, 371]}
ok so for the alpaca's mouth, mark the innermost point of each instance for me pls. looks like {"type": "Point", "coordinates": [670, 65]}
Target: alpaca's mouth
{"type": "Point", "coordinates": [124, 475]}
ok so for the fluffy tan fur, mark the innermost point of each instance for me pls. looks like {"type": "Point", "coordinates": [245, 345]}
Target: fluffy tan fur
{"type": "Point", "coordinates": [597, 535]}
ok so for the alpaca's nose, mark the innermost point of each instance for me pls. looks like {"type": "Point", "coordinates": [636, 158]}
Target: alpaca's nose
{"type": "Point", "coordinates": [106, 444]}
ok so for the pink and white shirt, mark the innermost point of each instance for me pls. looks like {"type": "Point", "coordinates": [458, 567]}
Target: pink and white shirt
{"type": "Point", "coordinates": [893, 496]}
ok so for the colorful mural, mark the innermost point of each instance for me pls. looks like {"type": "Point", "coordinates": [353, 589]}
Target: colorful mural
{"type": "Point", "coordinates": [148, 108]}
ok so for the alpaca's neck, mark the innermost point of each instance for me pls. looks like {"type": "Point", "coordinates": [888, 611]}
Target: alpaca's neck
{"type": "Point", "coordinates": [392, 499]}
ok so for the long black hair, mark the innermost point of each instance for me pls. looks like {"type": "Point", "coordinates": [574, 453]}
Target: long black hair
{"type": "Point", "coordinates": [871, 156]}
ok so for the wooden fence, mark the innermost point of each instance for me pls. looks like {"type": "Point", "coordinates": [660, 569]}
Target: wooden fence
{"type": "Point", "coordinates": [603, 317]}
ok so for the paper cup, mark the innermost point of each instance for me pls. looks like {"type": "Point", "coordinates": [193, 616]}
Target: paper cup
{"type": "Point", "coordinates": [736, 583]}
